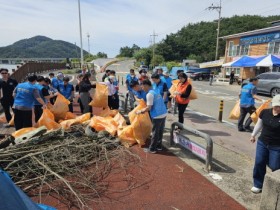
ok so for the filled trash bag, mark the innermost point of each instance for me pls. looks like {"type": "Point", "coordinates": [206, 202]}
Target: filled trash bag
{"type": "Point", "coordinates": [60, 107]}
{"type": "Point", "coordinates": [126, 136]}
{"type": "Point", "coordinates": [47, 119]}
{"type": "Point", "coordinates": [256, 114]}
{"type": "Point", "coordinates": [142, 127]}
{"type": "Point", "coordinates": [193, 94]}
{"type": "Point", "coordinates": [104, 123]}
{"type": "Point", "coordinates": [97, 111]}
{"type": "Point", "coordinates": [235, 112]}
{"type": "Point", "coordinates": [100, 98]}
{"type": "Point", "coordinates": [70, 115]}
{"type": "Point", "coordinates": [120, 120]}
{"type": "Point", "coordinates": [141, 105]}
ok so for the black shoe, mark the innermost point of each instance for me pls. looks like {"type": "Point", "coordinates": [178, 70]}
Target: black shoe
{"type": "Point", "coordinates": [159, 148]}
{"type": "Point", "coordinates": [249, 130]}
{"type": "Point", "coordinates": [241, 130]}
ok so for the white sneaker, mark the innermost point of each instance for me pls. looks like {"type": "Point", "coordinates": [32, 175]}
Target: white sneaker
{"type": "Point", "coordinates": [256, 190]}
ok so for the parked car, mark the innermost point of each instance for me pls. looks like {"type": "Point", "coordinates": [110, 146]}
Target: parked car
{"type": "Point", "coordinates": [189, 72]}
{"type": "Point", "coordinates": [269, 83]}
{"type": "Point", "coordinates": [144, 67]}
{"type": "Point", "coordinates": [200, 76]}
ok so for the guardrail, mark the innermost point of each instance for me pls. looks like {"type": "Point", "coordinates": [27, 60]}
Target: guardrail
{"type": "Point", "coordinates": [204, 153]}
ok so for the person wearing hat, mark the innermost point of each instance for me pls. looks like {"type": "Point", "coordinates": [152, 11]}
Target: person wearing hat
{"type": "Point", "coordinates": [268, 144]}
{"type": "Point", "coordinates": [7, 86]}
{"type": "Point", "coordinates": [67, 90]}
{"type": "Point", "coordinates": [143, 76]}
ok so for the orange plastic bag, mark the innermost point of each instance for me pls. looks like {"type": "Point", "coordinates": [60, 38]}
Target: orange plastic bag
{"type": "Point", "coordinates": [126, 135]}
{"type": "Point", "coordinates": [256, 114]}
{"type": "Point", "coordinates": [3, 119]}
{"type": "Point", "coordinates": [22, 131]}
{"type": "Point", "coordinates": [132, 114]}
{"type": "Point", "coordinates": [235, 112]}
{"type": "Point", "coordinates": [193, 94]}
{"type": "Point", "coordinates": [104, 112]}
{"type": "Point", "coordinates": [70, 115]}
{"type": "Point", "coordinates": [120, 120]}
{"type": "Point", "coordinates": [47, 119]}
{"type": "Point", "coordinates": [104, 123]}
{"type": "Point", "coordinates": [100, 98]}
{"type": "Point", "coordinates": [66, 124]}
{"type": "Point", "coordinates": [60, 107]}
{"type": "Point", "coordinates": [173, 88]}
{"type": "Point", "coordinates": [142, 128]}
{"type": "Point", "coordinates": [83, 118]}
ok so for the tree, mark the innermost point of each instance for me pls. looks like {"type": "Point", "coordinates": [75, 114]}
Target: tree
{"type": "Point", "coordinates": [101, 55]}
{"type": "Point", "coordinates": [128, 51]}
{"type": "Point", "coordinates": [158, 60]}
{"type": "Point", "coordinates": [143, 55]}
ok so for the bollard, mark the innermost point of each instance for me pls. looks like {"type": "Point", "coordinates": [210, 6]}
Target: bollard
{"type": "Point", "coordinates": [122, 80]}
{"type": "Point", "coordinates": [221, 111]}
{"type": "Point", "coordinates": [118, 78]}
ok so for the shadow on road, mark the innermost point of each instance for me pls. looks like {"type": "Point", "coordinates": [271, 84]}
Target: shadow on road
{"type": "Point", "coordinates": [195, 118]}
{"type": "Point", "coordinates": [215, 133]}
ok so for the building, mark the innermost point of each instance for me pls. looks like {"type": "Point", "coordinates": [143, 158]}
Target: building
{"type": "Point", "coordinates": [252, 43]}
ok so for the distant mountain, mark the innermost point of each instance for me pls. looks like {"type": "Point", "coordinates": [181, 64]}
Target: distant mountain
{"type": "Point", "coordinates": [40, 47]}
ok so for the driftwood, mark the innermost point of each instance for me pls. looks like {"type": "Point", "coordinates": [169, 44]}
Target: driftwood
{"type": "Point", "coordinates": [70, 166]}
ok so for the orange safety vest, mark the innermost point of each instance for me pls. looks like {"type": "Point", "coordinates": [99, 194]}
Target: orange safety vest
{"type": "Point", "coordinates": [181, 88]}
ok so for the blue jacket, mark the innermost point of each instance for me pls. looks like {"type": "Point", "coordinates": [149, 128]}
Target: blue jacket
{"type": "Point", "coordinates": [140, 94]}
{"type": "Point", "coordinates": [24, 95]}
{"type": "Point", "coordinates": [129, 79]}
{"type": "Point", "coordinates": [39, 88]}
{"type": "Point", "coordinates": [55, 82]}
{"type": "Point", "coordinates": [246, 98]}
{"type": "Point", "coordinates": [158, 108]}
{"type": "Point", "coordinates": [168, 82]}
{"type": "Point", "coordinates": [66, 91]}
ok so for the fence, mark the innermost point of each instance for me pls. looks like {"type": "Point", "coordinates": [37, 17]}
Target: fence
{"type": "Point", "coordinates": [32, 68]}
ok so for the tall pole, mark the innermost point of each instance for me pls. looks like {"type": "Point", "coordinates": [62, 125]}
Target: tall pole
{"type": "Point", "coordinates": [154, 45]}
{"type": "Point", "coordinates": [88, 43]}
{"type": "Point", "coordinates": [81, 37]}
{"type": "Point", "coordinates": [219, 9]}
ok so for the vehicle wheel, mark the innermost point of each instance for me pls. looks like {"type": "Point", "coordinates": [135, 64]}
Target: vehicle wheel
{"type": "Point", "coordinates": [274, 92]}
{"type": "Point", "coordinates": [200, 78]}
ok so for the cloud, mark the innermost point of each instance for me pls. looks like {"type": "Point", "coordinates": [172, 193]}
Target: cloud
{"type": "Point", "coordinates": [113, 23]}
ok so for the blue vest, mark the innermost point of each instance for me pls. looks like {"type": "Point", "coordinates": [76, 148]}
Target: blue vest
{"type": "Point", "coordinates": [129, 79]}
{"type": "Point", "coordinates": [162, 78]}
{"type": "Point", "coordinates": [24, 95]}
{"type": "Point", "coordinates": [55, 82]}
{"type": "Point", "coordinates": [39, 88]}
{"type": "Point", "coordinates": [65, 91]}
{"type": "Point", "coordinates": [158, 107]}
{"type": "Point", "coordinates": [140, 94]}
{"type": "Point", "coordinates": [158, 87]}
{"type": "Point", "coordinates": [246, 98]}
{"type": "Point", "coordinates": [168, 82]}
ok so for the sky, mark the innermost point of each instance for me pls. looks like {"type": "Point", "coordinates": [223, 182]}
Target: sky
{"type": "Point", "coordinates": [112, 24]}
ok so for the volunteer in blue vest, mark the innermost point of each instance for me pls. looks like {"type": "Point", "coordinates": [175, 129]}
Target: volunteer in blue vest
{"type": "Point", "coordinates": [160, 73]}
{"type": "Point", "coordinates": [182, 93]}
{"type": "Point", "coordinates": [137, 90]}
{"type": "Point", "coordinates": [160, 87]}
{"type": "Point", "coordinates": [60, 77]}
{"type": "Point", "coordinates": [168, 81]}
{"type": "Point", "coordinates": [158, 113]}
{"type": "Point", "coordinates": [45, 96]}
{"type": "Point", "coordinates": [67, 90]}
{"type": "Point", "coordinates": [25, 95]}
{"type": "Point", "coordinates": [247, 104]}
{"type": "Point", "coordinates": [129, 78]}
{"type": "Point", "coordinates": [54, 80]}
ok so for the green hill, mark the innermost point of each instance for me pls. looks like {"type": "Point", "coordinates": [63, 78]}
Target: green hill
{"type": "Point", "coordinates": [40, 47]}
{"type": "Point", "coordinates": [198, 40]}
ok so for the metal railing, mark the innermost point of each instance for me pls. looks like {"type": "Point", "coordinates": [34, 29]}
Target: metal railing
{"type": "Point", "coordinates": [205, 153]}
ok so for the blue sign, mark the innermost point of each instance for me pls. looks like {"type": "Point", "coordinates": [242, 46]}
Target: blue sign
{"type": "Point", "coordinates": [259, 39]}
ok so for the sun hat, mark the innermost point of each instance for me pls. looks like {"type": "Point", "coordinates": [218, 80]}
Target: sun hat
{"type": "Point", "coordinates": [276, 100]}
{"type": "Point", "coordinates": [165, 73]}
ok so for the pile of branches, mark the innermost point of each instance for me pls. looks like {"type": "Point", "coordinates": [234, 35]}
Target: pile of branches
{"type": "Point", "coordinates": [71, 167]}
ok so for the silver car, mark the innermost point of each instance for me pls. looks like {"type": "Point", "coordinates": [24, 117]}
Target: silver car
{"type": "Point", "coordinates": [269, 83]}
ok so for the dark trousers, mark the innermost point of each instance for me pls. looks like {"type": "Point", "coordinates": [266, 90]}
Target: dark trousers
{"type": "Point", "coordinates": [70, 106]}
{"type": "Point", "coordinates": [113, 102]}
{"type": "Point", "coordinates": [23, 119]}
{"type": "Point", "coordinates": [265, 155]}
{"type": "Point", "coordinates": [181, 111]}
{"type": "Point", "coordinates": [243, 112]}
{"type": "Point", "coordinates": [7, 104]}
{"type": "Point", "coordinates": [157, 133]}
{"type": "Point", "coordinates": [38, 111]}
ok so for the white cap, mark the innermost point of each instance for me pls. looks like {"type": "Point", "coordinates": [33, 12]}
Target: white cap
{"type": "Point", "coordinates": [276, 100]}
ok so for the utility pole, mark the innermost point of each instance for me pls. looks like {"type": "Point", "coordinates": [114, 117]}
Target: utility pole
{"type": "Point", "coordinates": [219, 9]}
{"type": "Point", "coordinates": [154, 45]}
{"type": "Point", "coordinates": [88, 43]}
{"type": "Point", "coordinates": [81, 36]}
